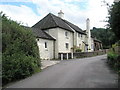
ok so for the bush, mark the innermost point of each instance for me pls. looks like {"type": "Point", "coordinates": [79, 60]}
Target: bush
{"type": "Point", "coordinates": [78, 50]}
{"type": "Point", "coordinates": [114, 61]}
{"type": "Point", "coordinates": [20, 56]}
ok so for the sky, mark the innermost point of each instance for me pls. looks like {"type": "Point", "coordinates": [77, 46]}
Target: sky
{"type": "Point", "coordinates": [29, 12]}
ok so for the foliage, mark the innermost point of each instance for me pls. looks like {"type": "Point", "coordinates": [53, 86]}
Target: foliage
{"type": "Point", "coordinates": [20, 57]}
{"type": "Point", "coordinates": [114, 19]}
{"type": "Point", "coordinates": [114, 59]}
{"type": "Point", "coordinates": [106, 36]}
{"type": "Point", "coordinates": [78, 50]}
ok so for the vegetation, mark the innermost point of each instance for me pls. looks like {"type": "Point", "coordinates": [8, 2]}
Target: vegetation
{"type": "Point", "coordinates": [114, 59]}
{"type": "Point", "coordinates": [114, 19]}
{"type": "Point", "coordinates": [78, 50]}
{"type": "Point", "coordinates": [114, 25]}
{"type": "Point", "coordinates": [20, 57]}
{"type": "Point", "coordinates": [106, 36]}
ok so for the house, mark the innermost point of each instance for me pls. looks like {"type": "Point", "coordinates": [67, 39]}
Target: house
{"type": "Point", "coordinates": [56, 35]}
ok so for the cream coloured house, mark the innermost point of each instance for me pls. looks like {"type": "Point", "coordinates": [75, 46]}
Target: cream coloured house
{"type": "Point", "coordinates": [56, 35]}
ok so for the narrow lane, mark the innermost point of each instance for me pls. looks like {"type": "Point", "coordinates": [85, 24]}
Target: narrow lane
{"type": "Point", "coordinates": [91, 72]}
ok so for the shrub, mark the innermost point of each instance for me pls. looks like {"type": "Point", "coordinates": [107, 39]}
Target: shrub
{"type": "Point", "coordinates": [20, 57]}
{"type": "Point", "coordinates": [114, 61]}
{"type": "Point", "coordinates": [78, 50]}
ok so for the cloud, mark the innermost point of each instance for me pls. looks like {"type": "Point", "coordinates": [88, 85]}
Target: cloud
{"type": "Point", "coordinates": [20, 14]}
{"type": "Point", "coordinates": [72, 9]}
{"type": "Point", "coordinates": [15, 1]}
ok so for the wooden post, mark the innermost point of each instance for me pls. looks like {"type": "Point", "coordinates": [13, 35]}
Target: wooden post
{"type": "Point", "coordinates": [61, 56]}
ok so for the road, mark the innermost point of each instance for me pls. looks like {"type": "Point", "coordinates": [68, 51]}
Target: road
{"type": "Point", "coordinates": [91, 72]}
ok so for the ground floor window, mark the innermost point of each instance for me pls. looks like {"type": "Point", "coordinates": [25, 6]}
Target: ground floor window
{"type": "Point", "coordinates": [45, 44]}
{"type": "Point", "coordinates": [67, 45]}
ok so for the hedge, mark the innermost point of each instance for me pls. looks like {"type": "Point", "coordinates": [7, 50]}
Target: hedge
{"type": "Point", "coordinates": [20, 55]}
{"type": "Point", "coordinates": [114, 61]}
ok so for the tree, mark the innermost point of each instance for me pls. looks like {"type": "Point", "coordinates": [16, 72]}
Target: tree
{"type": "Point", "coordinates": [114, 19]}
{"type": "Point", "coordinates": [105, 35]}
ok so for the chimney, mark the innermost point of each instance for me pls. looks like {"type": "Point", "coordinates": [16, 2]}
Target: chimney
{"type": "Point", "coordinates": [61, 14]}
{"type": "Point", "coordinates": [88, 24]}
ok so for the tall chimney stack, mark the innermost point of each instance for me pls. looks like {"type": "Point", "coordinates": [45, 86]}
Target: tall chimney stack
{"type": "Point", "coordinates": [88, 34]}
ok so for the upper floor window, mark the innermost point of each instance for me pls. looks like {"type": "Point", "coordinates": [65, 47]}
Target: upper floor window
{"type": "Point", "coordinates": [78, 35]}
{"type": "Point", "coordinates": [67, 45]}
{"type": "Point", "coordinates": [66, 34]}
{"type": "Point", "coordinates": [81, 36]}
{"type": "Point", "coordinates": [45, 44]}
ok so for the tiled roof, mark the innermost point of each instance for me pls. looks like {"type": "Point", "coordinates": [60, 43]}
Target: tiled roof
{"type": "Point", "coordinates": [52, 21]}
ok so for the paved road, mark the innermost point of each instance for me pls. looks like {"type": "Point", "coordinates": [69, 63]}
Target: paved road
{"type": "Point", "coordinates": [90, 72]}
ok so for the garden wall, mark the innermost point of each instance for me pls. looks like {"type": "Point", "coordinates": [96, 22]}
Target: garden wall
{"type": "Point", "coordinates": [83, 54]}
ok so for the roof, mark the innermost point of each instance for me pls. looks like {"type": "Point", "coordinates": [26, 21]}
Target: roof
{"type": "Point", "coordinates": [97, 40]}
{"type": "Point", "coordinates": [52, 21]}
{"type": "Point", "coordinates": [76, 28]}
{"type": "Point", "coordinates": [41, 34]}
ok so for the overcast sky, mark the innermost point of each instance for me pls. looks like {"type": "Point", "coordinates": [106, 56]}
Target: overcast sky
{"type": "Point", "coordinates": [30, 12]}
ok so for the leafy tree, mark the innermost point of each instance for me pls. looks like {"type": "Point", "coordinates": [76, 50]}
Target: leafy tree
{"type": "Point", "coordinates": [114, 19]}
{"type": "Point", "coordinates": [20, 57]}
{"type": "Point", "coordinates": [105, 35]}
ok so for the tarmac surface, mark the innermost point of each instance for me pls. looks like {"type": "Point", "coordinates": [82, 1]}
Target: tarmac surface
{"type": "Point", "coordinates": [92, 72]}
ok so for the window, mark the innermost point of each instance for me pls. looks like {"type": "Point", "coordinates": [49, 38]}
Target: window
{"type": "Point", "coordinates": [78, 35]}
{"type": "Point", "coordinates": [81, 35]}
{"type": "Point", "coordinates": [45, 44]}
{"type": "Point", "coordinates": [66, 34]}
{"type": "Point", "coordinates": [67, 45]}
{"type": "Point", "coordinates": [37, 39]}
{"type": "Point", "coordinates": [80, 45]}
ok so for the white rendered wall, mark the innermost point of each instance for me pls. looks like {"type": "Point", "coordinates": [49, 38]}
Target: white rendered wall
{"type": "Point", "coordinates": [54, 33]}
{"type": "Point", "coordinates": [45, 53]}
{"type": "Point", "coordinates": [62, 40]}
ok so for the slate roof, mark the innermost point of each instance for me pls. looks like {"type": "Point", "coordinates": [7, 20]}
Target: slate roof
{"type": "Point", "coordinates": [97, 40]}
{"type": "Point", "coordinates": [52, 21]}
{"type": "Point", "coordinates": [76, 28]}
{"type": "Point", "coordinates": [40, 33]}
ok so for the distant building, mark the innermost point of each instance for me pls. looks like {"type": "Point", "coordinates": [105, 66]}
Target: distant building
{"type": "Point", "coordinates": [56, 35]}
{"type": "Point", "coordinates": [116, 0]}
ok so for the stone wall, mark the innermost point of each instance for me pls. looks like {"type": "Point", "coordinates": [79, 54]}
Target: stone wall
{"type": "Point", "coordinates": [82, 54]}
{"type": "Point", "coordinates": [89, 54]}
